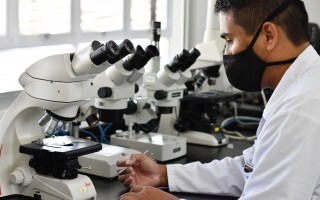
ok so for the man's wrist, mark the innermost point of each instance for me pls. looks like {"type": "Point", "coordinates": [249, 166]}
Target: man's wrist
{"type": "Point", "coordinates": [163, 176]}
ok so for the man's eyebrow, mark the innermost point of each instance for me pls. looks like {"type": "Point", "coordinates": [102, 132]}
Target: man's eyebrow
{"type": "Point", "coordinates": [224, 35]}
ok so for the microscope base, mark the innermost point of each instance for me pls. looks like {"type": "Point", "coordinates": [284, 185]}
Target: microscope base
{"type": "Point", "coordinates": [49, 188]}
{"type": "Point", "coordinates": [103, 162]}
{"type": "Point", "coordinates": [160, 146]}
{"type": "Point", "coordinates": [206, 139]}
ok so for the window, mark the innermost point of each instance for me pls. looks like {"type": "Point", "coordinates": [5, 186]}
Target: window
{"type": "Point", "coordinates": [32, 29]}
{"type": "Point", "coordinates": [140, 14]}
{"type": "Point", "coordinates": [161, 13]}
{"type": "Point", "coordinates": [44, 17]}
{"type": "Point", "coordinates": [101, 15]}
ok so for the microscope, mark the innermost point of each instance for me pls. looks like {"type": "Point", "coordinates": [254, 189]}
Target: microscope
{"type": "Point", "coordinates": [34, 161]}
{"type": "Point", "coordinates": [197, 120]}
{"type": "Point", "coordinates": [164, 88]}
{"type": "Point", "coordinates": [112, 89]}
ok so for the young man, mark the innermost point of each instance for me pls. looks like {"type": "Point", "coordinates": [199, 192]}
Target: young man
{"type": "Point", "coordinates": [266, 47]}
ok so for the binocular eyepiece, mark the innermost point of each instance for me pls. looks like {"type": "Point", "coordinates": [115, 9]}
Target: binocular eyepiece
{"type": "Point", "coordinates": [110, 52]}
{"type": "Point", "coordinates": [103, 52]}
{"type": "Point", "coordinates": [183, 60]}
{"type": "Point", "coordinates": [140, 57]}
{"type": "Point", "coordinates": [125, 48]}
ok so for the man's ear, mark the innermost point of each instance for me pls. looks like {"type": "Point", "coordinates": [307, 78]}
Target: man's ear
{"type": "Point", "coordinates": [271, 33]}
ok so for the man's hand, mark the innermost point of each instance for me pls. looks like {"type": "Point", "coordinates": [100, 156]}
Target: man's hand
{"type": "Point", "coordinates": [141, 170]}
{"type": "Point", "coordinates": [147, 193]}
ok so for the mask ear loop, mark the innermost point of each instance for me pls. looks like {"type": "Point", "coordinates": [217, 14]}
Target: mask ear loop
{"type": "Point", "coordinates": [277, 11]}
{"type": "Point", "coordinates": [280, 9]}
{"type": "Point", "coordinates": [255, 37]}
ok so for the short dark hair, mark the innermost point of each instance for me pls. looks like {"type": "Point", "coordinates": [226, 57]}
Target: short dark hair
{"type": "Point", "coordinates": [250, 14]}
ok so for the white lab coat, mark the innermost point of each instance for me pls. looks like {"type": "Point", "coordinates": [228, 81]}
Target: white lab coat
{"type": "Point", "coordinates": [286, 154]}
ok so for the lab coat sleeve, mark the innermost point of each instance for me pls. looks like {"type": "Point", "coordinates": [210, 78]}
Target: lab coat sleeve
{"type": "Point", "coordinates": [219, 177]}
{"type": "Point", "coordinates": [286, 160]}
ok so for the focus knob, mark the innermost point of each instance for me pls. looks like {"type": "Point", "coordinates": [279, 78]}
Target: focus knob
{"type": "Point", "coordinates": [160, 95]}
{"type": "Point", "coordinates": [21, 175]}
{"type": "Point", "coordinates": [131, 108]}
{"type": "Point", "coordinates": [104, 92]}
{"type": "Point", "coordinates": [180, 125]}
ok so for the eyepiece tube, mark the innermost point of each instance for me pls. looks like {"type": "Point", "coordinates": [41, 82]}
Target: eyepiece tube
{"type": "Point", "coordinates": [178, 61]}
{"type": "Point", "coordinates": [134, 59]}
{"type": "Point", "coordinates": [150, 52]}
{"type": "Point", "coordinates": [125, 48]}
{"type": "Point", "coordinates": [194, 54]}
{"type": "Point", "coordinates": [105, 53]}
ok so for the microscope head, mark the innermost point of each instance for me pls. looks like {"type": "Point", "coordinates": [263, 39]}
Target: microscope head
{"type": "Point", "coordinates": [176, 70]}
{"type": "Point", "coordinates": [167, 88]}
{"type": "Point", "coordinates": [120, 85]}
{"type": "Point", "coordinates": [95, 58]}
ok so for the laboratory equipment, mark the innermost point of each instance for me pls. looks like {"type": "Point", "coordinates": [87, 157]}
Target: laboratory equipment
{"type": "Point", "coordinates": [112, 90]}
{"type": "Point", "coordinates": [164, 88]}
{"type": "Point", "coordinates": [160, 147]}
{"type": "Point", "coordinates": [34, 162]}
{"type": "Point", "coordinates": [314, 36]}
{"type": "Point", "coordinates": [198, 118]}
{"type": "Point", "coordinates": [207, 66]}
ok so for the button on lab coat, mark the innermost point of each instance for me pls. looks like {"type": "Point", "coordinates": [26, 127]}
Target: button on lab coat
{"type": "Point", "coordinates": [285, 158]}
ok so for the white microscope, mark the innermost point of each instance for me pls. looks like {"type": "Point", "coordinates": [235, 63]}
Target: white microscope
{"type": "Point", "coordinates": [33, 161]}
{"type": "Point", "coordinates": [112, 90]}
{"type": "Point", "coordinates": [203, 100]}
{"type": "Point", "coordinates": [164, 88]}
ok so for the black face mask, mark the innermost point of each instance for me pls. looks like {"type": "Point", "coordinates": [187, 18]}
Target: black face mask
{"type": "Point", "coordinates": [245, 69]}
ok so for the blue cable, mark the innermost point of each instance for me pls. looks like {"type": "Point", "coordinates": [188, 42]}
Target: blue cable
{"type": "Point", "coordinates": [234, 120]}
{"type": "Point", "coordinates": [103, 133]}
{"type": "Point", "coordinates": [91, 134]}
{"type": "Point", "coordinates": [107, 127]}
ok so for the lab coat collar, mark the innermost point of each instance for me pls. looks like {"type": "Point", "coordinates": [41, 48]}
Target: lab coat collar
{"type": "Point", "coordinates": [303, 62]}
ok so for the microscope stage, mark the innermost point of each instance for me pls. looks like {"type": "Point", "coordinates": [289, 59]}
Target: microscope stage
{"type": "Point", "coordinates": [160, 146]}
{"type": "Point", "coordinates": [77, 147]}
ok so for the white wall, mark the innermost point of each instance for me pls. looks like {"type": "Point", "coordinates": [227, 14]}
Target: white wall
{"type": "Point", "coordinates": [313, 7]}
{"type": "Point", "coordinates": [197, 18]}
{"type": "Point", "coordinates": [196, 24]}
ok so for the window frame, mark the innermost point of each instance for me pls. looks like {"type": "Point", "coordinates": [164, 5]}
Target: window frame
{"type": "Point", "coordinates": [13, 39]}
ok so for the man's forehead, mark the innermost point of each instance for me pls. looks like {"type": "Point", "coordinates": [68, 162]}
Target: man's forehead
{"type": "Point", "coordinates": [228, 26]}
{"type": "Point", "coordinates": [226, 23]}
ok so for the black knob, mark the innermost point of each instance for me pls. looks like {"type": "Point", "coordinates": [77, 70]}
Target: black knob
{"type": "Point", "coordinates": [104, 92]}
{"type": "Point", "coordinates": [131, 108]}
{"type": "Point", "coordinates": [160, 95]}
{"type": "Point", "coordinates": [146, 106]}
{"type": "Point", "coordinates": [180, 125]}
{"type": "Point", "coordinates": [136, 88]}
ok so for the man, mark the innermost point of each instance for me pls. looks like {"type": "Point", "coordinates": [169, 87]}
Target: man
{"type": "Point", "coordinates": [266, 47]}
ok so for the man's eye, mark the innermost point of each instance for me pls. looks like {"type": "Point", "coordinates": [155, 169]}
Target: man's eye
{"type": "Point", "coordinates": [228, 41]}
